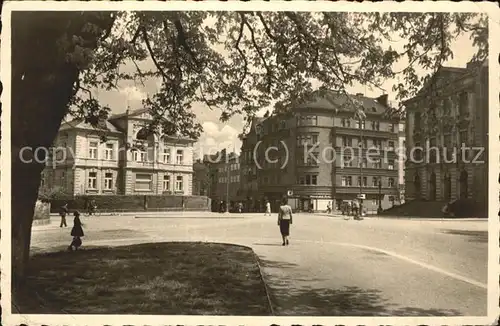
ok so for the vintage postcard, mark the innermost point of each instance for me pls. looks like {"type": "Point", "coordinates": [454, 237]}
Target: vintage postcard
{"type": "Point", "coordinates": [250, 163]}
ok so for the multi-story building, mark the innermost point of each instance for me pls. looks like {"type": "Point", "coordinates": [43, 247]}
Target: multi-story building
{"type": "Point", "coordinates": [314, 153]}
{"type": "Point", "coordinates": [201, 181]}
{"type": "Point", "coordinates": [224, 171]}
{"type": "Point", "coordinates": [446, 117]}
{"type": "Point", "coordinates": [129, 161]}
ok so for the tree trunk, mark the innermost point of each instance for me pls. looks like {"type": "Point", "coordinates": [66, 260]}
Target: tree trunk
{"type": "Point", "coordinates": [42, 86]}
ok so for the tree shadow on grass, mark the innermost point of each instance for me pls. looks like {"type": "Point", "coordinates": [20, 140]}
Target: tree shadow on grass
{"type": "Point", "coordinates": [159, 278]}
{"type": "Point", "coordinates": [300, 297]}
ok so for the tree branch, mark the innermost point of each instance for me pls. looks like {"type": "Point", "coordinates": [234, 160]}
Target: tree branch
{"type": "Point", "coordinates": [261, 55]}
{"type": "Point", "coordinates": [237, 46]}
{"type": "Point", "coordinates": [153, 57]}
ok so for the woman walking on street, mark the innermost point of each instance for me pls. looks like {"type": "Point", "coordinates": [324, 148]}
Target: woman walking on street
{"type": "Point", "coordinates": [76, 232]}
{"type": "Point", "coordinates": [284, 220]}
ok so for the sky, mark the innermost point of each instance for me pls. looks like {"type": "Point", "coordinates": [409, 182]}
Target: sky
{"type": "Point", "coordinates": [218, 135]}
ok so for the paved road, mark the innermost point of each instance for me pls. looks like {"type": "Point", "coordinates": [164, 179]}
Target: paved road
{"type": "Point", "coordinates": [373, 267]}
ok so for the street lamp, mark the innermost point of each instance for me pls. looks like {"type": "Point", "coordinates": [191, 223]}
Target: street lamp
{"type": "Point", "coordinates": [227, 186]}
{"type": "Point", "coordinates": [379, 209]}
{"type": "Point", "coordinates": [361, 158]}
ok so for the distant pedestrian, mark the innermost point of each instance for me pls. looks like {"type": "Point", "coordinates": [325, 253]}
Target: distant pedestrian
{"type": "Point", "coordinates": [349, 208]}
{"type": "Point", "coordinates": [268, 208]}
{"type": "Point", "coordinates": [285, 220]}
{"type": "Point", "coordinates": [63, 212]}
{"type": "Point", "coordinates": [92, 207]}
{"type": "Point", "coordinates": [329, 208]}
{"type": "Point", "coordinates": [240, 207]}
{"type": "Point", "coordinates": [76, 232]}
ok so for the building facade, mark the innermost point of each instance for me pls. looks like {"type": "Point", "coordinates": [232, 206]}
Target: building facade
{"type": "Point", "coordinates": [447, 131]}
{"type": "Point", "coordinates": [224, 172]}
{"type": "Point", "coordinates": [313, 154]}
{"type": "Point", "coordinates": [129, 161]}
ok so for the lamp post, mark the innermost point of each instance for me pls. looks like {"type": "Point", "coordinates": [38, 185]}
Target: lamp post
{"type": "Point", "coordinates": [361, 158]}
{"type": "Point", "coordinates": [379, 209]}
{"type": "Point", "coordinates": [227, 186]}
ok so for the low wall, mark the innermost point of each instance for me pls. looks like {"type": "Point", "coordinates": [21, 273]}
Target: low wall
{"type": "Point", "coordinates": [42, 213]}
{"type": "Point", "coordinates": [134, 203]}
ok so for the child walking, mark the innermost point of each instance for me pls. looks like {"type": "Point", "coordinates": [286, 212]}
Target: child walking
{"type": "Point", "coordinates": [76, 232]}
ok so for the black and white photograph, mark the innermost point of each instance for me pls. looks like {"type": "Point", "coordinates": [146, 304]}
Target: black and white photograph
{"type": "Point", "coordinates": [303, 162]}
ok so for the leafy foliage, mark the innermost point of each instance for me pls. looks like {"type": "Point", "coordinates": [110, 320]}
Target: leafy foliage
{"type": "Point", "coordinates": [240, 62]}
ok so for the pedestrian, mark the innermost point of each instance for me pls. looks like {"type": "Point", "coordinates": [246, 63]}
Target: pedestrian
{"type": "Point", "coordinates": [63, 212]}
{"type": "Point", "coordinates": [76, 232]}
{"type": "Point", "coordinates": [268, 208]}
{"type": "Point", "coordinates": [355, 208]}
{"type": "Point", "coordinates": [285, 220]}
{"type": "Point", "coordinates": [329, 208]}
{"type": "Point", "coordinates": [349, 208]}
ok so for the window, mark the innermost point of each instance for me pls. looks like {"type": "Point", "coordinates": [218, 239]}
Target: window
{"type": "Point", "coordinates": [93, 149]}
{"type": "Point", "coordinates": [346, 141]}
{"type": "Point", "coordinates": [463, 104]}
{"type": "Point", "coordinates": [307, 120]}
{"type": "Point", "coordinates": [365, 181]}
{"type": "Point", "coordinates": [363, 161]}
{"type": "Point", "coordinates": [375, 125]}
{"type": "Point", "coordinates": [346, 123]}
{"type": "Point", "coordinates": [447, 107]}
{"type": "Point", "coordinates": [108, 181]}
{"type": "Point", "coordinates": [463, 137]}
{"type": "Point", "coordinates": [375, 181]}
{"type": "Point", "coordinates": [392, 128]}
{"type": "Point", "coordinates": [346, 181]}
{"type": "Point", "coordinates": [360, 126]}
{"type": "Point", "coordinates": [390, 166]}
{"type": "Point", "coordinates": [92, 181]}
{"type": "Point", "coordinates": [180, 156]}
{"type": "Point", "coordinates": [282, 125]}
{"type": "Point", "coordinates": [143, 182]}
{"type": "Point", "coordinates": [301, 180]}
{"type": "Point", "coordinates": [418, 121]}
{"type": "Point", "coordinates": [166, 183]}
{"type": "Point", "coordinates": [108, 152]}
{"type": "Point", "coordinates": [362, 143]}
{"type": "Point", "coordinates": [139, 156]}
{"type": "Point", "coordinates": [166, 155]}
{"type": "Point", "coordinates": [377, 163]}
{"type": "Point", "coordinates": [179, 183]}
{"type": "Point", "coordinates": [391, 183]}
{"type": "Point", "coordinates": [390, 145]}
{"type": "Point", "coordinates": [314, 139]}
{"type": "Point", "coordinates": [347, 161]}
{"type": "Point", "coordinates": [377, 143]}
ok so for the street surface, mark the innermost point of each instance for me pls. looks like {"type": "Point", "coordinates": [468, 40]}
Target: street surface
{"type": "Point", "coordinates": [333, 267]}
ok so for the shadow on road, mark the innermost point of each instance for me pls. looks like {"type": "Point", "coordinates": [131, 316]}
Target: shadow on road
{"type": "Point", "coordinates": [304, 296]}
{"type": "Point", "coordinates": [474, 236]}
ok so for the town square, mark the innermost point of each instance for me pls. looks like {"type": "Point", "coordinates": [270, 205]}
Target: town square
{"type": "Point", "coordinates": [302, 162]}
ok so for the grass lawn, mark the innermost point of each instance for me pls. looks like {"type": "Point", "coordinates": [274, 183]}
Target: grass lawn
{"type": "Point", "coordinates": [161, 278]}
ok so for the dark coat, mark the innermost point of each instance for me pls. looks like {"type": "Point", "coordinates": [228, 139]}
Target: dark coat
{"type": "Point", "coordinates": [77, 230]}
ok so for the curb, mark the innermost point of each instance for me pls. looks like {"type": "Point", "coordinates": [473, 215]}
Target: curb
{"type": "Point", "coordinates": [266, 287]}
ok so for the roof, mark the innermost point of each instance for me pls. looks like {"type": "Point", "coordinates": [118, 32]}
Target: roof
{"type": "Point", "coordinates": [129, 113]}
{"type": "Point", "coordinates": [335, 101]}
{"type": "Point", "coordinates": [80, 124]}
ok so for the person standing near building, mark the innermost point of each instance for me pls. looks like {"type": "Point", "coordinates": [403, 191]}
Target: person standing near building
{"type": "Point", "coordinates": [329, 208]}
{"type": "Point", "coordinates": [63, 213]}
{"type": "Point", "coordinates": [268, 208]}
{"type": "Point", "coordinates": [285, 220]}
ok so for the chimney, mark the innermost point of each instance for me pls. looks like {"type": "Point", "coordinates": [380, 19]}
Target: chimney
{"type": "Point", "coordinates": [383, 99]}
